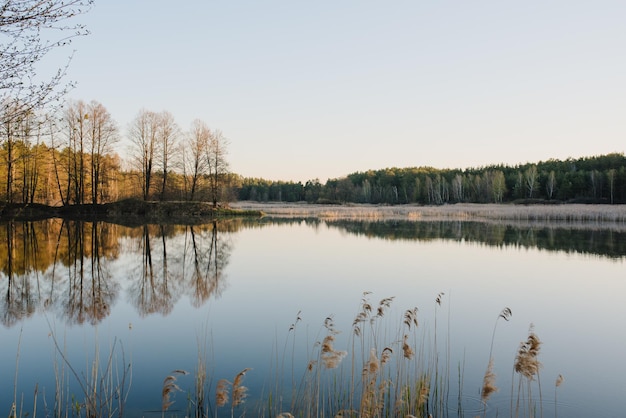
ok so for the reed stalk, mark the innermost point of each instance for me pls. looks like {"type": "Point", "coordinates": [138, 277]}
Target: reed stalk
{"type": "Point", "coordinates": [557, 384]}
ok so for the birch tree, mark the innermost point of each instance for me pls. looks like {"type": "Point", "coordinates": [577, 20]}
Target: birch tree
{"type": "Point", "coordinates": [103, 134]}
{"type": "Point", "coordinates": [218, 165]}
{"type": "Point", "coordinates": [531, 176]}
{"type": "Point", "coordinates": [167, 135]}
{"type": "Point", "coordinates": [143, 133]}
{"type": "Point", "coordinates": [610, 175]}
{"type": "Point", "coordinates": [551, 184]}
{"type": "Point", "coordinates": [195, 161]}
{"type": "Point", "coordinates": [76, 117]}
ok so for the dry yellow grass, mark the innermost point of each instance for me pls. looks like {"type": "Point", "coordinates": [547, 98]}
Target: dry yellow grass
{"type": "Point", "coordinates": [169, 387]}
{"type": "Point", "coordinates": [613, 216]}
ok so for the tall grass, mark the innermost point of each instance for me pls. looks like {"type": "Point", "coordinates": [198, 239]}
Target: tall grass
{"type": "Point", "coordinates": [615, 215]}
{"type": "Point", "coordinates": [386, 365]}
{"type": "Point", "coordinates": [100, 390]}
{"type": "Point", "coordinates": [386, 370]}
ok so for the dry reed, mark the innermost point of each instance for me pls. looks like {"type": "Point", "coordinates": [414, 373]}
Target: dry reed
{"type": "Point", "coordinates": [240, 392]}
{"type": "Point", "coordinates": [527, 365]}
{"type": "Point", "coordinates": [406, 348]}
{"type": "Point", "coordinates": [410, 318]}
{"type": "Point", "coordinates": [169, 387]}
{"type": "Point", "coordinates": [526, 362]}
{"type": "Point", "coordinates": [489, 383]}
{"type": "Point", "coordinates": [559, 381]}
{"type": "Point", "coordinates": [573, 215]}
{"type": "Point", "coordinates": [331, 357]}
{"type": "Point", "coordinates": [370, 395]}
{"type": "Point", "coordinates": [221, 393]}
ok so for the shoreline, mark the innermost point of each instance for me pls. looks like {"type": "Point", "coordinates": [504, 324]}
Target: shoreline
{"type": "Point", "coordinates": [137, 212]}
{"type": "Point", "coordinates": [128, 211]}
{"type": "Point", "coordinates": [458, 211]}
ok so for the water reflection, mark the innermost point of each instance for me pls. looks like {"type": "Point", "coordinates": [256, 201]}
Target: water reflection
{"type": "Point", "coordinates": [593, 241]}
{"type": "Point", "coordinates": [85, 290]}
{"type": "Point", "coordinates": [65, 266]}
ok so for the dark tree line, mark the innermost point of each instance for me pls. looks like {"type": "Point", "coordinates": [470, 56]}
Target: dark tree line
{"type": "Point", "coordinates": [598, 179]}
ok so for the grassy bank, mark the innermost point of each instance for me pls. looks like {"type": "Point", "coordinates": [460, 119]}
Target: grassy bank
{"type": "Point", "coordinates": [130, 211]}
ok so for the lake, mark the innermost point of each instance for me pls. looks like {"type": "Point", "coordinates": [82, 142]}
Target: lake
{"type": "Point", "coordinates": [106, 313]}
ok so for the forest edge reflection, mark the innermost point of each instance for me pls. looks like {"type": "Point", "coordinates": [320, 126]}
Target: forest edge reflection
{"type": "Point", "coordinates": [64, 266]}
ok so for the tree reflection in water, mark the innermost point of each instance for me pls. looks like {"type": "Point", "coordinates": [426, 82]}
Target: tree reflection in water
{"type": "Point", "coordinates": [65, 267]}
{"type": "Point", "coordinates": [19, 301]}
{"type": "Point", "coordinates": [161, 279]}
{"type": "Point", "coordinates": [90, 289]}
{"type": "Point", "coordinates": [68, 266]}
{"type": "Point", "coordinates": [208, 253]}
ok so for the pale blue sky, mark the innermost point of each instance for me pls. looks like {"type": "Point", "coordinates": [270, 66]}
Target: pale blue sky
{"type": "Point", "coordinates": [325, 88]}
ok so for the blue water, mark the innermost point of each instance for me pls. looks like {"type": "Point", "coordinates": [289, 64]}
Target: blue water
{"type": "Point", "coordinates": [268, 275]}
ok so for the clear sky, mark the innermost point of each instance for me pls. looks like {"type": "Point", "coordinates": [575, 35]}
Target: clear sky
{"type": "Point", "coordinates": [321, 89]}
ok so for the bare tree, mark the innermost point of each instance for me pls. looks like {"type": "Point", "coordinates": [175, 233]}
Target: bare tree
{"type": "Point", "coordinates": [218, 166]}
{"type": "Point", "coordinates": [102, 135]}
{"type": "Point", "coordinates": [167, 135]}
{"type": "Point", "coordinates": [31, 29]}
{"type": "Point", "coordinates": [76, 118]}
{"type": "Point", "coordinates": [143, 134]}
{"type": "Point", "coordinates": [195, 164]}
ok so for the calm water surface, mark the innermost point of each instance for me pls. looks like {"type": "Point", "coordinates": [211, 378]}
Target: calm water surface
{"type": "Point", "coordinates": [156, 296]}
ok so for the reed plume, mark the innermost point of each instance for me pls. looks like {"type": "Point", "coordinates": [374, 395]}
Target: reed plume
{"type": "Point", "coordinates": [384, 304]}
{"type": "Point", "coordinates": [169, 387]}
{"type": "Point", "coordinates": [221, 392]}
{"type": "Point", "coordinates": [489, 379]}
{"type": "Point", "coordinates": [406, 348]}
{"type": "Point", "coordinates": [360, 318]}
{"type": "Point", "coordinates": [373, 364]}
{"type": "Point", "coordinates": [410, 318]}
{"type": "Point", "coordinates": [439, 298]}
{"type": "Point", "coordinates": [559, 381]}
{"type": "Point", "coordinates": [331, 357]}
{"type": "Point", "coordinates": [526, 362]}
{"type": "Point", "coordinates": [489, 383]}
{"type": "Point", "coordinates": [527, 365]}
{"type": "Point", "coordinates": [385, 356]}
{"type": "Point", "coordinates": [240, 392]}
{"type": "Point", "coordinates": [506, 314]}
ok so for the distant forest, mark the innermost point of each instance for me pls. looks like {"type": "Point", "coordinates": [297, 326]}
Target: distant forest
{"type": "Point", "coordinates": [598, 179]}
{"type": "Point", "coordinates": [67, 157]}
